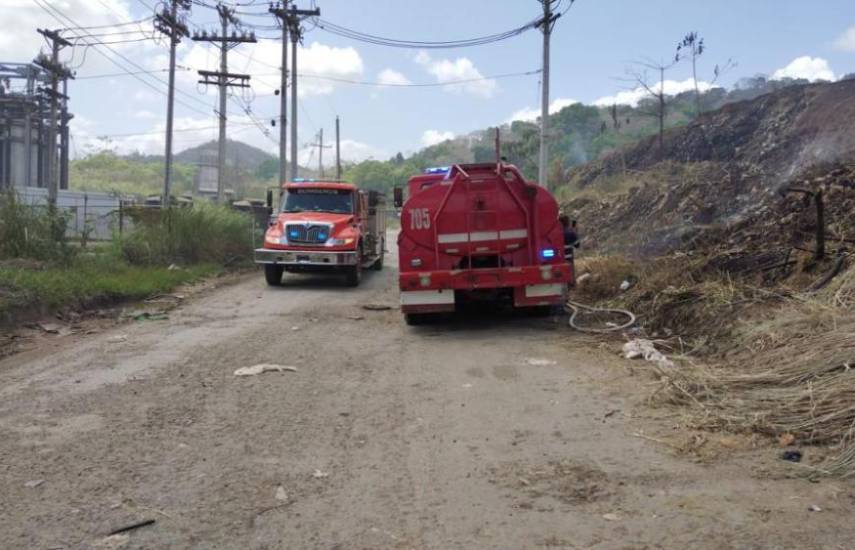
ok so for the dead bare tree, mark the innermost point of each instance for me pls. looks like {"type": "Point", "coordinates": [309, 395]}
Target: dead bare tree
{"type": "Point", "coordinates": [691, 48]}
{"type": "Point", "coordinates": [656, 91]}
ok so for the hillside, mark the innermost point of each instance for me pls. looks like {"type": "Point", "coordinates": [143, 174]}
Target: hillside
{"type": "Point", "coordinates": [249, 170]}
{"type": "Point", "coordinates": [725, 173]}
{"type": "Point", "coordinates": [239, 155]}
{"type": "Point", "coordinates": [581, 133]}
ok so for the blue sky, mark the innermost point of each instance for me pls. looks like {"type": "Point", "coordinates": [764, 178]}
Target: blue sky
{"type": "Point", "coordinates": [591, 48]}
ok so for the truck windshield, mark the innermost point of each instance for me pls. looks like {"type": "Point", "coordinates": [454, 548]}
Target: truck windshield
{"type": "Point", "coordinates": [339, 201]}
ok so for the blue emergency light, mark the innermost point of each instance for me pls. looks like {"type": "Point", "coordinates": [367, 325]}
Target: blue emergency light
{"type": "Point", "coordinates": [322, 236]}
{"type": "Point", "coordinates": [294, 234]}
{"type": "Point", "coordinates": [548, 253]}
{"type": "Point", "coordinates": [437, 170]}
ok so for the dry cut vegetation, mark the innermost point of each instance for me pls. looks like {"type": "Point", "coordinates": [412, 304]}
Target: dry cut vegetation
{"type": "Point", "coordinates": [751, 359]}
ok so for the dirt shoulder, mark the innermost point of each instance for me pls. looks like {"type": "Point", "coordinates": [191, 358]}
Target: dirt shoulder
{"type": "Point", "coordinates": [491, 433]}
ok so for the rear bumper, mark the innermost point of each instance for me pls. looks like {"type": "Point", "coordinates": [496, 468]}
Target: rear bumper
{"type": "Point", "coordinates": [433, 291]}
{"type": "Point", "coordinates": [304, 257]}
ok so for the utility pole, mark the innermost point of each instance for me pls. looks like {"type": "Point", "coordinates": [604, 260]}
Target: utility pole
{"type": "Point", "coordinates": [64, 138]}
{"type": "Point", "coordinates": [294, 18]}
{"type": "Point", "coordinates": [281, 14]}
{"type": "Point", "coordinates": [545, 25]}
{"type": "Point", "coordinates": [57, 71]}
{"type": "Point", "coordinates": [224, 80]}
{"type": "Point", "coordinates": [168, 23]}
{"type": "Point", "coordinates": [337, 149]}
{"type": "Point", "coordinates": [320, 145]}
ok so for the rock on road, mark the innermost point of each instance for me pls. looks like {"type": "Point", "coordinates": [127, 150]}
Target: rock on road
{"type": "Point", "coordinates": [386, 436]}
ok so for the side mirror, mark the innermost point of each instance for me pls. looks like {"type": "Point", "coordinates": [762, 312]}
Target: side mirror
{"type": "Point", "coordinates": [373, 199]}
{"type": "Point", "coordinates": [270, 202]}
{"type": "Point", "coordinates": [398, 194]}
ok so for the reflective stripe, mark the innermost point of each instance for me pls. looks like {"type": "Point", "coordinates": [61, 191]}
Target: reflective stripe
{"type": "Point", "coordinates": [514, 234]}
{"type": "Point", "coordinates": [426, 297]}
{"type": "Point", "coordinates": [538, 291]}
{"type": "Point", "coordinates": [477, 236]}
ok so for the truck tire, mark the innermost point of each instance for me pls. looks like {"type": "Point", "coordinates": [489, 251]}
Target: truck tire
{"type": "Point", "coordinates": [378, 265]}
{"type": "Point", "coordinates": [273, 274]}
{"type": "Point", "coordinates": [353, 275]}
{"type": "Point", "coordinates": [416, 319]}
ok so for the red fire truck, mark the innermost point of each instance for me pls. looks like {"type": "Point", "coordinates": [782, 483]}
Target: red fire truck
{"type": "Point", "coordinates": [323, 226]}
{"type": "Point", "coordinates": [478, 231]}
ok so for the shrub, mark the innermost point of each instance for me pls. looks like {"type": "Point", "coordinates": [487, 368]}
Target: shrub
{"type": "Point", "coordinates": [201, 233]}
{"type": "Point", "coordinates": [35, 232]}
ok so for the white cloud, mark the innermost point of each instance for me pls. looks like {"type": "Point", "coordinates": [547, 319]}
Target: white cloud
{"type": "Point", "coordinates": [262, 60]}
{"type": "Point", "coordinates": [391, 77]}
{"type": "Point", "coordinates": [146, 94]}
{"type": "Point", "coordinates": [20, 42]}
{"type": "Point", "coordinates": [846, 41]}
{"type": "Point", "coordinates": [530, 114]}
{"type": "Point", "coordinates": [810, 68]}
{"type": "Point", "coordinates": [189, 132]}
{"type": "Point", "coordinates": [144, 114]}
{"type": "Point", "coordinates": [462, 68]}
{"type": "Point", "coordinates": [634, 96]}
{"type": "Point", "coordinates": [432, 137]}
{"type": "Point", "coordinates": [351, 151]}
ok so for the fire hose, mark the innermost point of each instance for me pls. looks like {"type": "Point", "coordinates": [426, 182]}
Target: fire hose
{"type": "Point", "coordinates": [574, 308]}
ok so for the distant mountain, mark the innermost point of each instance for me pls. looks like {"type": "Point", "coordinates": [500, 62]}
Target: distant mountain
{"type": "Point", "coordinates": [239, 155]}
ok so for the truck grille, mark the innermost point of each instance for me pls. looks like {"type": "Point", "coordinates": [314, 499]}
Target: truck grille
{"type": "Point", "coordinates": [307, 234]}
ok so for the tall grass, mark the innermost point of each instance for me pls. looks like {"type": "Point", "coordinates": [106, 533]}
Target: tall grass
{"type": "Point", "coordinates": [87, 279]}
{"type": "Point", "coordinates": [35, 232]}
{"type": "Point", "coordinates": [201, 233]}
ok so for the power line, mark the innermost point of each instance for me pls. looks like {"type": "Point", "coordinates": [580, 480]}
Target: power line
{"type": "Point", "coordinates": [59, 16]}
{"type": "Point", "coordinates": [110, 26]}
{"type": "Point", "coordinates": [127, 73]}
{"type": "Point", "coordinates": [418, 84]}
{"type": "Point", "coordinates": [158, 132]}
{"type": "Point", "coordinates": [345, 32]}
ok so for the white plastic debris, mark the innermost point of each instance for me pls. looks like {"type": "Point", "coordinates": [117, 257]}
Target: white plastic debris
{"type": "Point", "coordinates": [262, 368]}
{"type": "Point", "coordinates": [611, 517]}
{"type": "Point", "coordinates": [117, 339]}
{"type": "Point", "coordinates": [281, 494]}
{"type": "Point", "coordinates": [538, 362]}
{"type": "Point", "coordinates": [624, 286]}
{"type": "Point", "coordinates": [34, 483]}
{"type": "Point", "coordinates": [814, 508]}
{"type": "Point", "coordinates": [318, 474]}
{"type": "Point", "coordinates": [640, 348]}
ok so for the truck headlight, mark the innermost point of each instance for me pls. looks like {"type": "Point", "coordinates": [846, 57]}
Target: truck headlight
{"type": "Point", "coordinates": [275, 239]}
{"type": "Point", "coordinates": [340, 242]}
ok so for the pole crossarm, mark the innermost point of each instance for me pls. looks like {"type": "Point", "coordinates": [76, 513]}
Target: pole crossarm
{"type": "Point", "coordinates": [233, 80]}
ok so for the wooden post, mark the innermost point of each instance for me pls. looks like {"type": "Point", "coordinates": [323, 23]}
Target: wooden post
{"type": "Point", "coordinates": [819, 254]}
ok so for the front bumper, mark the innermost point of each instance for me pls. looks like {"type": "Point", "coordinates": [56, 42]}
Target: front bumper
{"type": "Point", "coordinates": [305, 257]}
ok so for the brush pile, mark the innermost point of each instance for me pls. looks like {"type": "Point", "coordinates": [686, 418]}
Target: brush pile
{"type": "Point", "coordinates": [794, 375]}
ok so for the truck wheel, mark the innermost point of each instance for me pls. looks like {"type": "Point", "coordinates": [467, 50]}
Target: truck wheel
{"type": "Point", "coordinates": [541, 311]}
{"type": "Point", "coordinates": [354, 272]}
{"type": "Point", "coordinates": [273, 274]}
{"type": "Point", "coordinates": [416, 319]}
{"type": "Point", "coordinates": [378, 265]}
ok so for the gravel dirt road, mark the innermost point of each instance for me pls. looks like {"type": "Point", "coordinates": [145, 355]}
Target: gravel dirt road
{"type": "Point", "coordinates": [497, 432]}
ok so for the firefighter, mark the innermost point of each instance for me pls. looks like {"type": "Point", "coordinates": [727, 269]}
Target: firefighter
{"type": "Point", "coordinates": [571, 238]}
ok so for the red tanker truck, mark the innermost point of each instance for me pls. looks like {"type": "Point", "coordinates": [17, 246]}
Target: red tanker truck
{"type": "Point", "coordinates": [478, 231]}
{"type": "Point", "coordinates": [323, 226]}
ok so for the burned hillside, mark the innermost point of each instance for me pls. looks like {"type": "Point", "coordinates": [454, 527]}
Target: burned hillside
{"type": "Point", "coordinates": [741, 177]}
